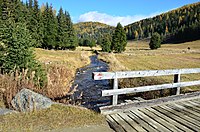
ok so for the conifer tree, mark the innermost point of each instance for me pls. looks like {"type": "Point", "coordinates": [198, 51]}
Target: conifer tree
{"type": "Point", "coordinates": [50, 28]}
{"type": "Point", "coordinates": [72, 38]}
{"type": "Point", "coordinates": [106, 44]}
{"type": "Point", "coordinates": [18, 53]}
{"type": "Point", "coordinates": [119, 41]}
{"type": "Point", "coordinates": [62, 30]}
{"type": "Point", "coordinates": [155, 41]}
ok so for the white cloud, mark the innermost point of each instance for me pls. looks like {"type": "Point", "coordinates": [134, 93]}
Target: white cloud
{"type": "Point", "coordinates": [95, 16]}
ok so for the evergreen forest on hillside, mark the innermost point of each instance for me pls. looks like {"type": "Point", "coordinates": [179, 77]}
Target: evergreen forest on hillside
{"type": "Point", "coordinates": [179, 25]}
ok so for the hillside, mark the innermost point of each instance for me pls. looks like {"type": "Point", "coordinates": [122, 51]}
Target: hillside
{"type": "Point", "coordinates": [178, 25]}
{"type": "Point", "coordinates": [94, 30]}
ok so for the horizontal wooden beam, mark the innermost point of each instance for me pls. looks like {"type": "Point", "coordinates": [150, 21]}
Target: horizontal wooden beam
{"type": "Point", "coordinates": [146, 73]}
{"type": "Point", "coordinates": [148, 88]}
{"type": "Point", "coordinates": [148, 103]}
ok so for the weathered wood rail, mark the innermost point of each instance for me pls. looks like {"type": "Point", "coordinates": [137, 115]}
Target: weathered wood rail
{"type": "Point", "coordinates": [132, 74]}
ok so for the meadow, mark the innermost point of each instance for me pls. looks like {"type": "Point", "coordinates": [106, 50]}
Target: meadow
{"type": "Point", "coordinates": [61, 67]}
{"type": "Point", "coordinates": [138, 56]}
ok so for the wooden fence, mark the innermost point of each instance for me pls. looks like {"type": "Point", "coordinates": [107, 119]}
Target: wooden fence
{"type": "Point", "coordinates": [131, 74]}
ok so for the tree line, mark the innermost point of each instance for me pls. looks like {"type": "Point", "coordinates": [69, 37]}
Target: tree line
{"type": "Point", "coordinates": [49, 29]}
{"type": "Point", "coordinates": [24, 26]}
{"type": "Point", "coordinates": [178, 25]}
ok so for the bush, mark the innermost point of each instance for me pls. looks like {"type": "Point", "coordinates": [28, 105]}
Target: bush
{"type": "Point", "coordinates": [155, 41]}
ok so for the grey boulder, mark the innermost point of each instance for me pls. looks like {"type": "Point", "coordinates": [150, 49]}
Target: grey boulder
{"type": "Point", "coordinates": [27, 100]}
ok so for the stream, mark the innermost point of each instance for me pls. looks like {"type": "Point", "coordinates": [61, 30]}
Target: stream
{"type": "Point", "coordinates": [91, 89]}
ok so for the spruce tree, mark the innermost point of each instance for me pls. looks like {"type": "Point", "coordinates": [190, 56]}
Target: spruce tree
{"type": "Point", "coordinates": [62, 30]}
{"type": "Point", "coordinates": [155, 41]}
{"type": "Point", "coordinates": [37, 24]}
{"type": "Point", "coordinates": [72, 38]}
{"type": "Point", "coordinates": [50, 28]}
{"type": "Point", "coordinates": [106, 44]}
{"type": "Point", "coordinates": [18, 52]}
{"type": "Point", "coordinates": [119, 40]}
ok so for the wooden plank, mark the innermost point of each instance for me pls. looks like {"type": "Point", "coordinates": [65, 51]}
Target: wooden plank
{"type": "Point", "coordinates": [114, 124]}
{"type": "Point", "coordinates": [131, 122]}
{"type": "Point", "coordinates": [142, 123]}
{"type": "Point", "coordinates": [115, 87]}
{"type": "Point", "coordinates": [196, 104]}
{"type": "Point", "coordinates": [148, 88]}
{"type": "Point", "coordinates": [144, 73]}
{"type": "Point", "coordinates": [182, 115]}
{"type": "Point", "coordinates": [196, 101]}
{"type": "Point", "coordinates": [189, 106]}
{"type": "Point", "coordinates": [150, 121]}
{"type": "Point", "coordinates": [148, 103]}
{"type": "Point", "coordinates": [170, 120]}
{"type": "Point", "coordinates": [177, 118]}
{"type": "Point", "coordinates": [123, 123]}
{"type": "Point", "coordinates": [160, 120]}
{"type": "Point", "coordinates": [185, 111]}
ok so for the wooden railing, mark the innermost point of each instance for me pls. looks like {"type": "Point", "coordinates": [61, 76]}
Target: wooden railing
{"type": "Point", "coordinates": [131, 74]}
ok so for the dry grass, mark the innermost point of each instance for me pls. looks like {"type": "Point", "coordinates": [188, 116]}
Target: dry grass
{"type": "Point", "coordinates": [56, 117]}
{"type": "Point", "coordinates": [138, 56]}
{"type": "Point", "coordinates": [60, 66]}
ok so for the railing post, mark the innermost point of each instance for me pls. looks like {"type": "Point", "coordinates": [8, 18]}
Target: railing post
{"type": "Point", "coordinates": [115, 86]}
{"type": "Point", "coordinates": [177, 79]}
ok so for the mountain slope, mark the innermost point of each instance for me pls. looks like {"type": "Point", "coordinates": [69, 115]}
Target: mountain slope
{"type": "Point", "coordinates": [94, 30]}
{"type": "Point", "coordinates": [178, 25]}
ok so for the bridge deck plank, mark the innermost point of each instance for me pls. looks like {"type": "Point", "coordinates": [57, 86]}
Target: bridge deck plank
{"type": "Point", "coordinates": [123, 123]}
{"type": "Point", "coordinates": [160, 120]}
{"type": "Point", "coordinates": [176, 116]}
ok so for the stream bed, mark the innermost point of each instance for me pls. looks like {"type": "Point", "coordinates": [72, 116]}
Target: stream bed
{"type": "Point", "coordinates": [91, 89]}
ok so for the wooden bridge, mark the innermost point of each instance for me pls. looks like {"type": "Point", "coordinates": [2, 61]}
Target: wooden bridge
{"type": "Point", "coordinates": [180, 112]}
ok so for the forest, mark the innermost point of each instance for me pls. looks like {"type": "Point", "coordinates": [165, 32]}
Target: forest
{"type": "Point", "coordinates": [49, 29]}
{"type": "Point", "coordinates": [92, 31]}
{"type": "Point", "coordinates": [179, 25]}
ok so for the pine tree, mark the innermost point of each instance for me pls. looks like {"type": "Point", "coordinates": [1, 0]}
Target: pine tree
{"type": "Point", "coordinates": [62, 30]}
{"type": "Point", "coordinates": [37, 24]}
{"type": "Point", "coordinates": [18, 52]}
{"type": "Point", "coordinates": [106, 44]}
{"type": "Point", "coordinates": [155, 41]}
{"type": "Point", "coordinates": [119, 41]}
{"type": "Point", "coordinates": [50, 28]}
{"type": "Point", "coordinates": [72, 38]}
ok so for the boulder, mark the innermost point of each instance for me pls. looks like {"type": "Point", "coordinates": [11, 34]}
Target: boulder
{"type": "Point", "coordinates": [27, 100]}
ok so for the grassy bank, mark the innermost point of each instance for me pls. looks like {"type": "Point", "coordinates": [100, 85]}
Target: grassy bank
{"type": "Point", "coordinates": [60, 66]}
{"type": "Point", "coordinates": [56, 117]}
{"type": "Point", "coordinates": [138, 56]}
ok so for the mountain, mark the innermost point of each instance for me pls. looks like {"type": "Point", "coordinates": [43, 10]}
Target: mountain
{"type": "Point", "coordinates": [92, 30]}
{"type": "Point", "coordinates": [179, 25]}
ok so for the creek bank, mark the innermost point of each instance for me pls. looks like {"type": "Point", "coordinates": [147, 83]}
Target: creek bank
{"type": "Point", "coordinates": [90, 89]}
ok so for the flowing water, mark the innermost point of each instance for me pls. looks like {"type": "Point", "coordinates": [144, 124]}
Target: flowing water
{"type": "Point", "coordinates": [90, 88]}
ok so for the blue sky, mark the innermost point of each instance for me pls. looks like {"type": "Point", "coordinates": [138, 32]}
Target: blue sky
{"type": "Point", "coordinates": [113, 11]}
